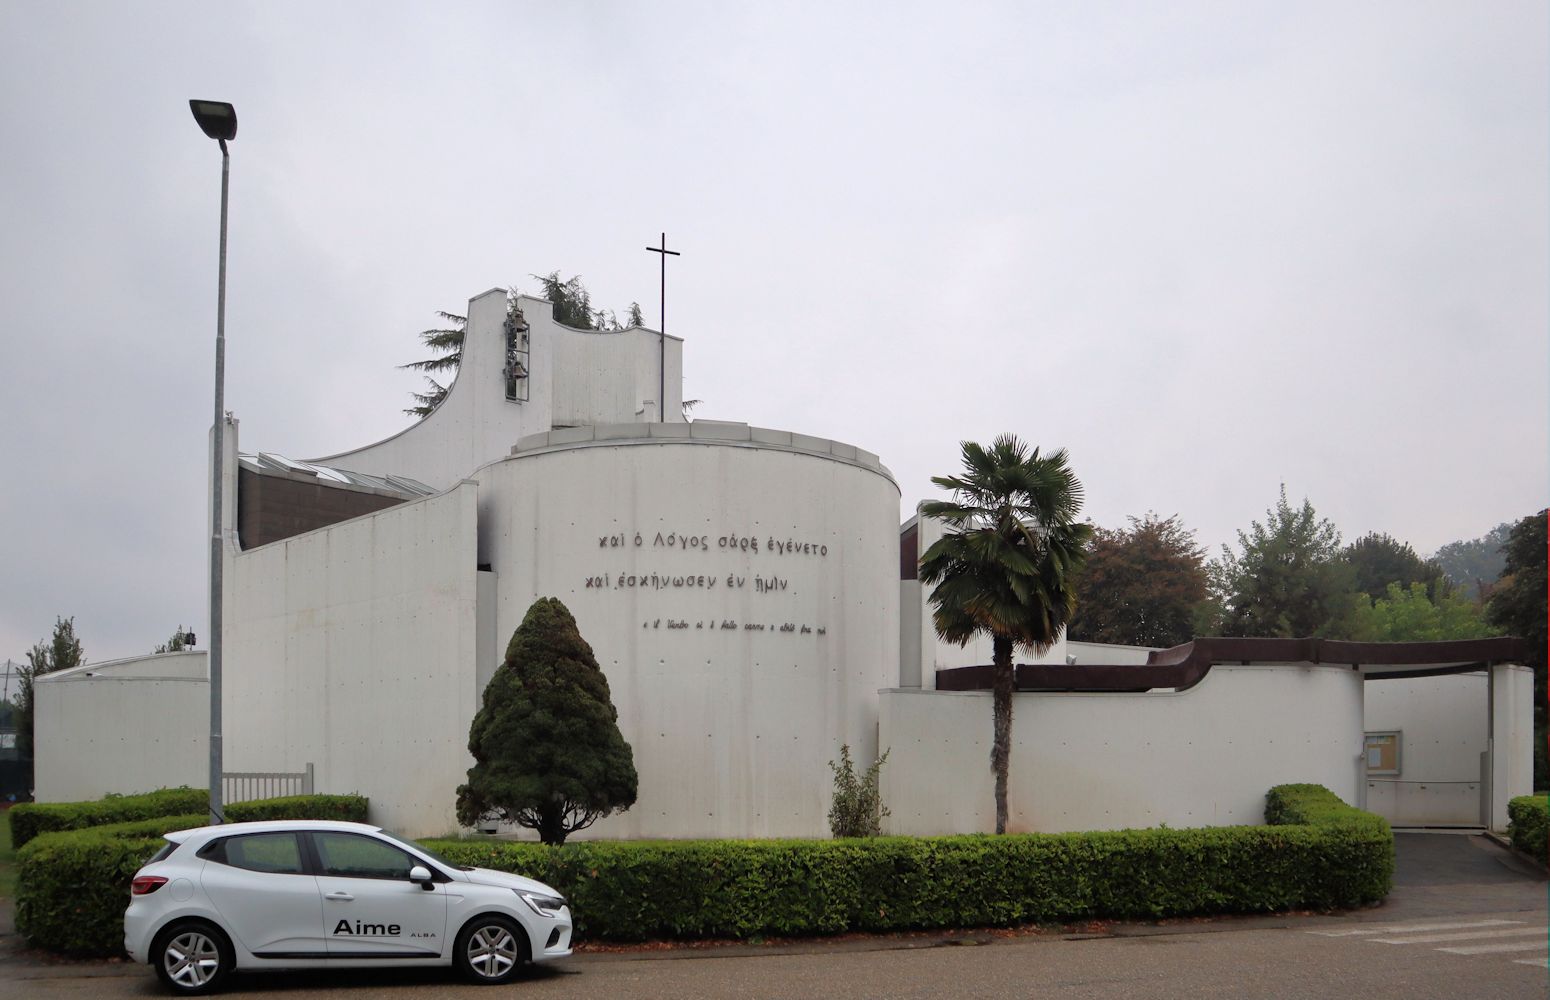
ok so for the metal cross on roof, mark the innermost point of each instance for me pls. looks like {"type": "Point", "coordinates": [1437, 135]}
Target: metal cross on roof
{"type": "Point", "coordinates": [662, 332]}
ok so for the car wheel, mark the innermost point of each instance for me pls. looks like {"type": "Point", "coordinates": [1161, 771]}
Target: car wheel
{"type": "Point", "coordinates": [192, 958]}
{"type": "Point", "coordinates": [489, 950]}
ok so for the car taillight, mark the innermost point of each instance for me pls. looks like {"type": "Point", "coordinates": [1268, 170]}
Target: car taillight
{"type": "Point", "coordinates": [146, 884]}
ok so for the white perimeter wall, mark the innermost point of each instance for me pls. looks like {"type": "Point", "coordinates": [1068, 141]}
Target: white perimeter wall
{"type": "Point", "coordinates": [354, 647]}
{"type": "Point", "coordinates": [1201, 757]}
{"type": "Point", "coordinates": [734, 715]}
{"type": "Point", "coordinates": [1443, 730]}
{"type": "Point", "coordinates": [1445, 725]}
{"type": "Point", "coordinates": [124, 726]}
{"type": "Point", "coordinates": [1512, 712]}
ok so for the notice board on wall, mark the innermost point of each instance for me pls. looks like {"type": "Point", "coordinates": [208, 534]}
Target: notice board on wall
{"type": "Point", "coordinates": [1381, 753]}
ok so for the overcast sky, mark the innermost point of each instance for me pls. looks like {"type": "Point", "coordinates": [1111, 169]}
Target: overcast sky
{"type": "Point", "coordinates": [1209, 248]}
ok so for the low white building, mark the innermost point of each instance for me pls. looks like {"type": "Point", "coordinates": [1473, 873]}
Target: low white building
{"type": "Point", "coordinates": [749, 594]}
{"type": "Point", "coordinates": [122, 726]}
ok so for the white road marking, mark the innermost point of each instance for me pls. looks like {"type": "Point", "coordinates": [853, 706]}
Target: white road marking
{"type": "Point", "coordinates": [1490, 949]}
{"type": "Point", "coordinates": [1543, 963]}
{"type": "Point", "coordinates": [1413, 927]}
{"type": "Point", "coordinates": [1470, 936]}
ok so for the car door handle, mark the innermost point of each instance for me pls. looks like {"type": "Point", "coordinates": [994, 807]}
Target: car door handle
{"type": "Point", "coordinates": [343, 897]}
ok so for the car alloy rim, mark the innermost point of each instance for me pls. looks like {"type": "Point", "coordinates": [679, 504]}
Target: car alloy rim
{"type": "Point", "coordinates": [192, 959]}
{"type": "Point", "coordinates": [492, 951]}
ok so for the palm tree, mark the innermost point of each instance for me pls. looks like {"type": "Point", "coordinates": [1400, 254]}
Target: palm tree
{"type": "Point", "coordinates": [1005, 565]}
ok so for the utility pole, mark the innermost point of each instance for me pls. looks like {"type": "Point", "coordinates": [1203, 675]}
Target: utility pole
{"type": "Point", "coordinates": [218, 120]}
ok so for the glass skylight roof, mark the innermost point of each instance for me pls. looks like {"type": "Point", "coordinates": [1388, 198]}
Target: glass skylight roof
{"type": "Point", "coordinates": [266, 461]}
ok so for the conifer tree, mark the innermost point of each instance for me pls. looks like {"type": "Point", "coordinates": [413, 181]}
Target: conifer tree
{"type": "Point", "coordinates": [62, 652]}
{"type": "Point", "coordinates": [546, 743]}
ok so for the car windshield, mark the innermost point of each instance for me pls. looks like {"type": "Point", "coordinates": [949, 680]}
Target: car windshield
{"type": "Point", "coordinates": [426, 851]}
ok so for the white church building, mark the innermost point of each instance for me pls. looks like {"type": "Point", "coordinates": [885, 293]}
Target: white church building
{"type": "Point", "coordinates": [751, 596]}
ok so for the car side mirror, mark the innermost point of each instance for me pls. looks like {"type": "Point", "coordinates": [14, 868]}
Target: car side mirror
{"type": "Point", "coordinates": [422, 875]}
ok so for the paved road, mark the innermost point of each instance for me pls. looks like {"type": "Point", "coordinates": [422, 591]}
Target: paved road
{"type": "Point", "coordinates": [1463, 921]}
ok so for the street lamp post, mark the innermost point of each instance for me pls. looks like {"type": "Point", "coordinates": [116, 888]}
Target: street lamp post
{"type": "Point", "coordinates": [219, 121]}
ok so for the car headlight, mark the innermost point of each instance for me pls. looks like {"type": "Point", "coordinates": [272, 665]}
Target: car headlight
{"type": "Point", "coordinates": [543, 904]}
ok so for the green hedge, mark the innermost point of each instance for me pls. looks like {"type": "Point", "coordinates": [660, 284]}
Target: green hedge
{"type": "Point", "coordinates": [1529, 825]}
{"type": "Point", "coordinates": [32, 818]}
{"type": "Point", "coordinates": [1321, 854]}
{"type": "Point", "coordinates": [1318, 853]}
{"type": "Point", "coordinates": [72, 885]}
{"type": "Point", "coordinates": [347, 808]}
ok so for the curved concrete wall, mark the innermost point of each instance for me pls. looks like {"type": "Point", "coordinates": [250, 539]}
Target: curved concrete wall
{"type": "Point", "coordinates": [1201, 757]}
{"type": "Point", "coordinates": [739, 589]}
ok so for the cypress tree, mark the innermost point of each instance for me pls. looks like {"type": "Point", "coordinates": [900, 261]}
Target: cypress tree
{"type": "Point", "coordinates": [546, 743]}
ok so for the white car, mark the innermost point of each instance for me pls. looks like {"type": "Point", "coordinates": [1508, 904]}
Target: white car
{"type": "Point", "coordinates": [299, 894]}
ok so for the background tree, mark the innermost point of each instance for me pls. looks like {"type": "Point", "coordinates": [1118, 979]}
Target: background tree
{"type": "Point", "coordinates": [546, 743]}
{"type": "Point", "coordinates": [1377, 560]}
{"type": "Point", "coordinates": [1519, 607]}
{"type": "Point", "coordinates": [176, 642]}
{"type": "Point", "coordinates": [1477, 563]}
{"type": "Point", "coordinates": [1410, 615]}
{"type": "Point", "coordinates": [1004, 567]}
{"type": "Point", "coordinates": [1287, 579]}
{"type": "Point", "coordinates": [1140, 586]}
{"type": "Point", "coordinates": [572, 307]}
{"type": "Point", "coordinates": [62, 651]}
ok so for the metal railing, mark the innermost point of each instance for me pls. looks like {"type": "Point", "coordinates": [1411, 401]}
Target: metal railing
{"type": "Point", "coordinates": [244, 786]}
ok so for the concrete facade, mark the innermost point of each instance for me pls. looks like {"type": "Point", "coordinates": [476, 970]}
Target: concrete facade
{"type": "Point", "coordinates": [353, 647]}
{"type": "Point", "coordinates": [735, 583]}
{"type": "Point", "coordinates": [752, 601]}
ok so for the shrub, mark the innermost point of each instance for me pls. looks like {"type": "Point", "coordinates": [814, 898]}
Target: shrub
{"type": "Point", "coordinates": [1529, 825]}
{"type": "Point", "coordinates": [72, 886]}
{"type": "Point", "coordinates": [857, 809]}
{"type": "Point", "coordinates": [627, 891]}
{"type": "Point", "coordinates": [32, 818]}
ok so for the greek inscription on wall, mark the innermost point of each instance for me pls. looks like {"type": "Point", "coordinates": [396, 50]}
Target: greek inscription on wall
{"type": "Point", "coordinates": [667, 581]}
{"type": "Point", "coordinates": [681, 575]}
{"type": "Point", "coordinates": [732, 541]}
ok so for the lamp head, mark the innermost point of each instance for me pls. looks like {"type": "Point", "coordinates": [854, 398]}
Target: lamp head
{"type": "Point", "coordinates": [217, 118]}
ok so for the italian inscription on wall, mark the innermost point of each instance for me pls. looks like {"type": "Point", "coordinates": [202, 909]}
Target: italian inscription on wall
{"type": "Point", "coordinates": [774, 552]}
